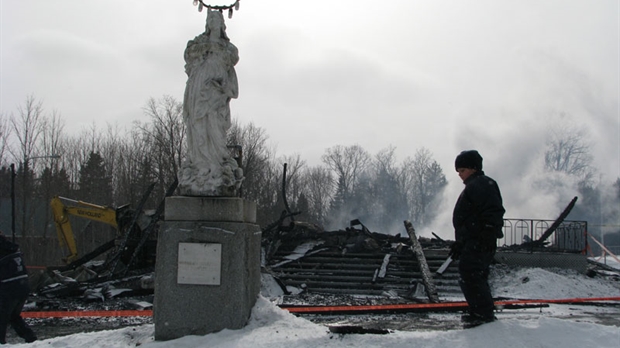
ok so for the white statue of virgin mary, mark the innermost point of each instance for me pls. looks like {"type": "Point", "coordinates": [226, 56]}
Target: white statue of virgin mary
{"type": "Point", "coordinates": [209, 169]}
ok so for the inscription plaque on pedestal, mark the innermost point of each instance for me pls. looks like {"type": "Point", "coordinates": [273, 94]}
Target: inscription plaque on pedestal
{"type": "Point", "coordinates": [199, 263]}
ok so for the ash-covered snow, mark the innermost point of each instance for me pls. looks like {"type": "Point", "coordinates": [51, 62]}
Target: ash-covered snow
{"type": "Point", "coordinates": [272, 327]}
{"type": "Point", "coordinates": [555, 326]}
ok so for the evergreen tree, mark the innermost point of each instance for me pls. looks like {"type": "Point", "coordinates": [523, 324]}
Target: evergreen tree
{"type": "Point", "coordinates": [5, 199]}
{"type": "Point", "coordinates": [391, 201]}
{"type": "Point", "coordinates": [337, 205]}
{"type": "Point", "coordinates": [303, 206]}
{"type": "Point", "coordinates": [5, 182]}
{"type": "Point", "coordinates": [50, 184]}
{"type": "Point", "coordinates": [95, 185]}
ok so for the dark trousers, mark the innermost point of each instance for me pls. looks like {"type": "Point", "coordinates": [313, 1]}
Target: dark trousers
{"type": "Point", "coordinates": [474, 279]}
{"type": "Point", "coordinates": [13, 295]}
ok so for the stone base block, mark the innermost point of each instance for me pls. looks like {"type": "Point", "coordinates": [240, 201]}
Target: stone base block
{"type": "Point", "coordinates": [207, 276]}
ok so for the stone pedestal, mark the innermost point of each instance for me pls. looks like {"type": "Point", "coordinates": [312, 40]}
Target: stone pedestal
{"type": "Point", "coordinates": [207, 275]}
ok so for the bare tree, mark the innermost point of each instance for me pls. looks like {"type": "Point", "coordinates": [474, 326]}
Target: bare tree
{"type": "Point", "coordinates": [52, 134]}
{"type": "Point", "coordinates": [261, 171]}
{"type": "Point", "coordinates": [27, 127]}
{"type": "Point", "coordinates": [387, 203]}
{"type": "Point", "coordinates": [294, 168]}
{"type": "Point", "coordinates": [423, 180]}
{"type": "Point", "coordinates": [134, 167]}
{"type": "Point", "coordinates": [72, 157]}
{"type": "Point", "coordinates": [348, 163]}
{"type": "Point", "coordinates": [51, 144]}
{"type": "Point", "coordinates": [5, 133]}
{"type": "Point", "coordinates": [109, 149]}
{"type": "Point", "coordinates": [256, 157]}
{"type": "Point", "coordinates": [167, 134]}
{"type": "Point", "coordinates": [568, 151]}
{"type": "Point", "coordinates": [319, 190]}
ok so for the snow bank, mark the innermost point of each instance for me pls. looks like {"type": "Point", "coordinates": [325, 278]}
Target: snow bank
{"type": "Point", "coordinates": [538, 283]}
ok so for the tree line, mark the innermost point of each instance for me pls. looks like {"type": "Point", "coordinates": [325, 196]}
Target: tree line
{"type": "Point", "coordinates": [113, 167]}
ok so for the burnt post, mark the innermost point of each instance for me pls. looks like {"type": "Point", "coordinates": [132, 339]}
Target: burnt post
{"type": "Point", "coordinates": [427, 276]}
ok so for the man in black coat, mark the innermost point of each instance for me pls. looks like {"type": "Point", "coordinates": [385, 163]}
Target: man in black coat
{"type": "Point", "coordinates": [14, 290]}
{"type": "Point", "coordinates": [478, 220]}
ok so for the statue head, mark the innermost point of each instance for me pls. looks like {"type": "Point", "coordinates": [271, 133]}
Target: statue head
{"type": "Point", "coordinates": [215, 27]}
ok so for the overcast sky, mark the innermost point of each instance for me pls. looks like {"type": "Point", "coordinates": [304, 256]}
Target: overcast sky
{"type": "Point", "coordinates": [446, 75]}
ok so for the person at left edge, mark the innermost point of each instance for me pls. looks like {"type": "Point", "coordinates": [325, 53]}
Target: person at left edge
{"type": "Point", "coordinates": [14, 291]}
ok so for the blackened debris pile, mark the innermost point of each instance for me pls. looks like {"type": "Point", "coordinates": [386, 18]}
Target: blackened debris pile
{"type": "Point", "coordinates": [354, 261]}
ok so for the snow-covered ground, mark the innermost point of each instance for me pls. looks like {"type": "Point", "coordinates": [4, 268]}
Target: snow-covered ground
{"type": "Point", "coordinates": [554, 326]}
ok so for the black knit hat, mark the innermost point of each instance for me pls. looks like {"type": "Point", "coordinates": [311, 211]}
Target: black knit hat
{"type": "Point", "coordinates": [468, 159]}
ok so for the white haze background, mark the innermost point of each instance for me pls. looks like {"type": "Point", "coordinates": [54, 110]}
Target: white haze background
{"type": "Point", "coordinates": [492, 75]}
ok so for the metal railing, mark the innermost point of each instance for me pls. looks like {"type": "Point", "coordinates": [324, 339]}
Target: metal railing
{"type": "Point", "coordinates": [570, 236]}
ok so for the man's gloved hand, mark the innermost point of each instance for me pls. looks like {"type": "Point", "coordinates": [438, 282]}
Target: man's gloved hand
{"type": "Point", "coordinates": [488, 239]}
{"type": "Point", "coordinates": [455, 249]}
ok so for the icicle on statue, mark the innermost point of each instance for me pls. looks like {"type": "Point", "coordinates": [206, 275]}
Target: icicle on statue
{"type": "Point", "coordinates": [209, 169]}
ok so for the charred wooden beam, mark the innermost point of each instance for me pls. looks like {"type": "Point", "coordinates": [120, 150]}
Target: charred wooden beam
{"type": "Point", "coordinates": [113, 261]}
{"type": "Point", "coordinates": [271, 233]}
{"type": "Point", "coordinates": [557, 222]}
{"type": "Point", "coordinates": [354, 329]}
{"type": "Point", "coordinates": [288, 210]}
{"type": "Point", "coordinates": [427, 277]}
{"type": "Point", "coordinates": [443, 242]}
{"type": "Point", "coordinates": [151, 226]}
{"type": "Point", "coordinates": [384, 265]}
{"type": "Point", "coordinates": [84, 259]}
{"type": "Point", "coordinates": [540, 242]}
{"type": "Point", "coordinates": [357, 222]}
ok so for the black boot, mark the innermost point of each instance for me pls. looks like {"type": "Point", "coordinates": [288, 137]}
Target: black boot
{"type": "Point", "coordinates": [472, 320]}
{"type": "Point", "coordinates": [30, 338]}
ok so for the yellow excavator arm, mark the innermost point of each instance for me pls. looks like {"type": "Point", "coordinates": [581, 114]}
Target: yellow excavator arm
{"type": "Point", "coordinates": [81, 209]}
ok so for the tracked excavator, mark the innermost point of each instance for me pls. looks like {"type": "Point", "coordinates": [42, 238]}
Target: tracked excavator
{"type": "Point", "coordinates": [63, 208]}
{"type": "Point", "coordinates": [136, 238]}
